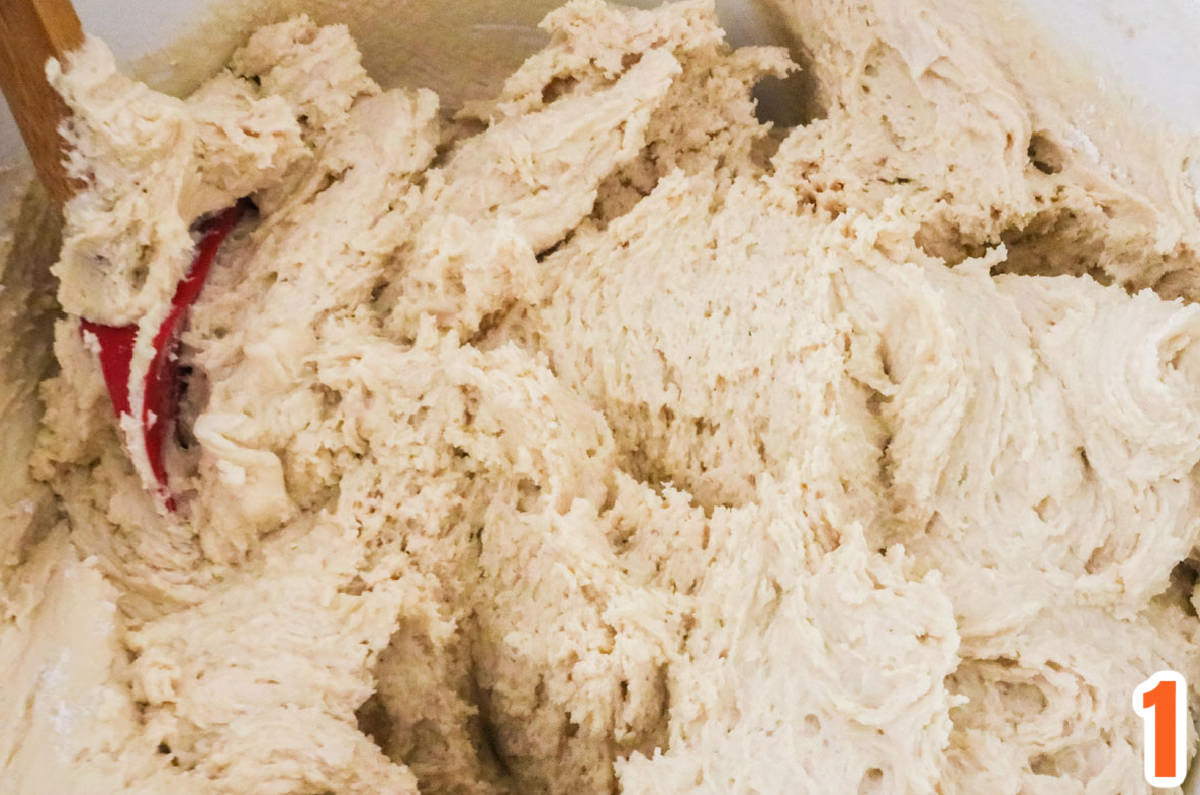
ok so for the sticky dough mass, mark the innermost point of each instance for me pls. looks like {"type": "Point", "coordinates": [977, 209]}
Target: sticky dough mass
{"type": "Point", "coordinates": [605, 438]}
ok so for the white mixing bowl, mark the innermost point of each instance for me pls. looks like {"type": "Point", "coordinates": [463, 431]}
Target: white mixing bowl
{"type": "Point", "coordinates": [1144, 48]}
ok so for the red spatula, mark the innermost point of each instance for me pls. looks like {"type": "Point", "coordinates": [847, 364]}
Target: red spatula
{"type": "Point", "coordinates": [32, 32]}
{"type": "Point", "coordinates": [162, 379]}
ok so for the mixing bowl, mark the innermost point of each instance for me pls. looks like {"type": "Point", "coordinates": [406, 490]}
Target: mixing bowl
{"type": "Point", "coordinates": [1140, 51]}
{"type": "Point", "coordinates": [1144, 48]}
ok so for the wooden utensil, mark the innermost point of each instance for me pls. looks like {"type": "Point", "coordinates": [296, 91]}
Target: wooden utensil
{"type": "Point", "coordinates": [31, 33]}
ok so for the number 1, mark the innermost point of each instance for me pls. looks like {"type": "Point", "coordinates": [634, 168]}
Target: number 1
{"type": "Point", "coordinates": [1161, 703]}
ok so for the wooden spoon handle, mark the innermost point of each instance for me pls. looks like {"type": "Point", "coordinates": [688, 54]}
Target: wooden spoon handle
{"type": "Point", "coordinates": [32, 32]}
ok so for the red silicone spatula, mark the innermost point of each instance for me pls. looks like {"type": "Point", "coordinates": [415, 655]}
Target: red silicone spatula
{"type": "Point", "coordinates": [161, 380]}
{"type": "Point", "coordinates": [32, 32]}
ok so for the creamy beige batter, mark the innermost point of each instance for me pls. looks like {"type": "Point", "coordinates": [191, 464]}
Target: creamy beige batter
{"type": "Point", "coordinates": [606, 438]}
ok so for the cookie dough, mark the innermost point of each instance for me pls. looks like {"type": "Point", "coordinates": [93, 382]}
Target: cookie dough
{"type": "Point", "coordinates": [606, 438]}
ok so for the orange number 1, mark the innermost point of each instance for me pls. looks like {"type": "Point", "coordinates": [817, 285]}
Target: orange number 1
{"type": "Point", "coordinates": [1161, 703]}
